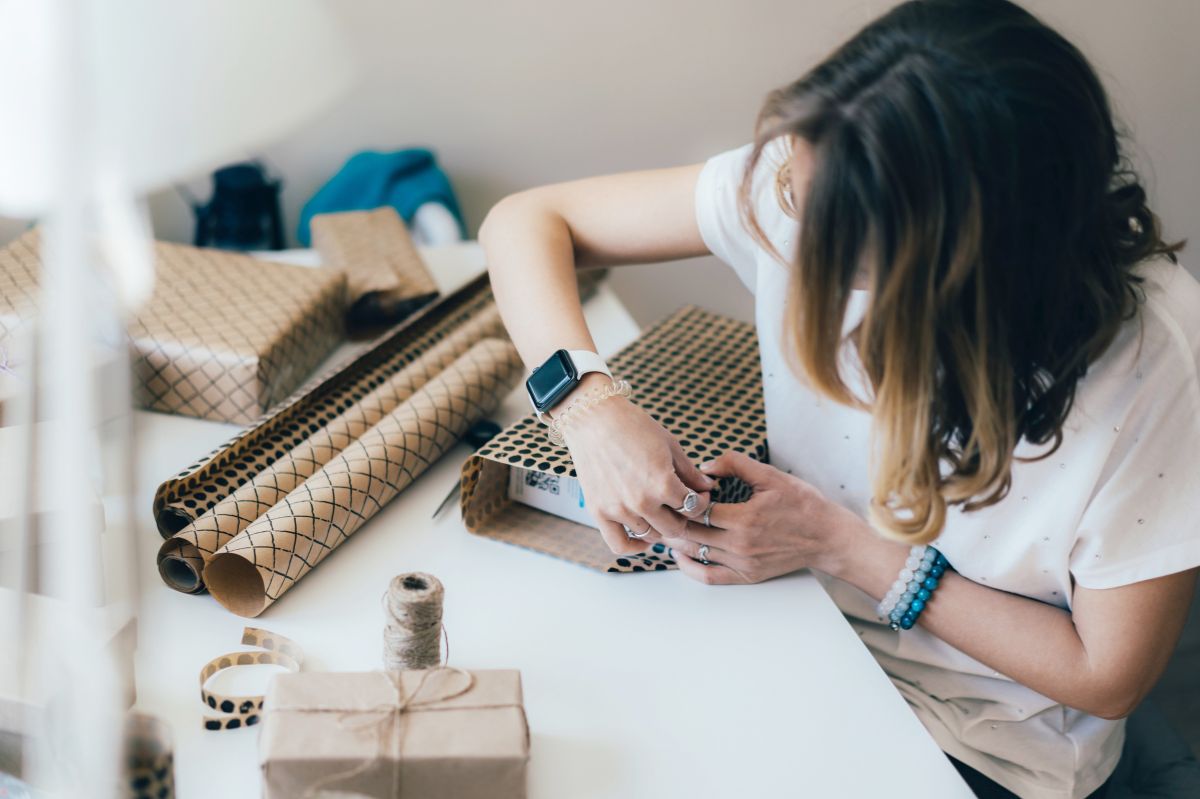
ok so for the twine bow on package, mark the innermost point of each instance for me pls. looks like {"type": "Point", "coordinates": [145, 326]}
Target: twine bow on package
{"type": "Point", "coordinates": [257, 514]}
{"type": "Point", "coordinates": [696, 372]}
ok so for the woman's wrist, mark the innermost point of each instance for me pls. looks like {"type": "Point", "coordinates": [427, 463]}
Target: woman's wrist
{"type": "Point", "coordinates": [586, 383]}
{"type": "Point", "coordinates": [857, 554]}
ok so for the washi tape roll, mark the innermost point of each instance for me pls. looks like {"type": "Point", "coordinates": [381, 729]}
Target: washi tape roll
{"type": "Point", "coordinates": [245, 711]}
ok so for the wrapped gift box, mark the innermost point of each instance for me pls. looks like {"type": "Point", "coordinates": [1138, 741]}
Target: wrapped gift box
{"type": "Point", "coordinates": [224, 336]}
{"type": "Point", "coordinates": [416, 734]}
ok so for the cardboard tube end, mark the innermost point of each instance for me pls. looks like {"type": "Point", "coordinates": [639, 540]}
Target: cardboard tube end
{"type": "Point", "coordinates": [235, 583]}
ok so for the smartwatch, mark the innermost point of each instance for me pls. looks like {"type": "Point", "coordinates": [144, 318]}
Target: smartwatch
{"type": "Point", "coordinates": [562, 371]}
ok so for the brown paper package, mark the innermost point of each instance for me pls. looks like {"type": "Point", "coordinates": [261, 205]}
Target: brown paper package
{"type": "Point", "coordinates": [224, 336]}
{"type": "Point", "coordinates": [344, 732]}
{"type": "Point", "coordinates": [696, 372]}
{"type": "Point", "coordinates": [386, 279]}
{"type": "Point", "coordinates": [256, 566]}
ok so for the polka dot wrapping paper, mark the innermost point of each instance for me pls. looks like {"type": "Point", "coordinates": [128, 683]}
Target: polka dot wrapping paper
{"type": "Point", "coordinates": [224, 336]}
{"type": "Point", "coordinates": [276, 499]}
{"type": "Point", "coordinates": [696, 372]}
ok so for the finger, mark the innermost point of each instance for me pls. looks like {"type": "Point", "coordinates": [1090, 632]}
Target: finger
{"type": "Point", "coordinates": [620, 543]}
{"type": "Point", "coordinates": [637, 528]}
{"type": "Point", "coordinates": [741, 465]}
{"type": "Point", "coordinates": [689, 474]}
{"type": "Point", "coordinates": [682, 547]}
{"type": "Point", "coordinates": [713, 574]}
{"type": "Point", "coordinates": [698, 534]}
{"type": "Point", "coordinates": [668, 520]}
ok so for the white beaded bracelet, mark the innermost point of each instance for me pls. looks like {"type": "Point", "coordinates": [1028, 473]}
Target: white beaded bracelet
{"type": "Point", "coordinates": [617, 388]}
{"type": "Point", "coordinates": [916, 568]}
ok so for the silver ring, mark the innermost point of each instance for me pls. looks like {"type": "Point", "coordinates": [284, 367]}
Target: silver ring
{"type": "Point", "coordinates": [642, 534]}
{"type": "Point", "coordinates": [708, 514]}
{"type": "Point", "coordinates": [703, 553]}
{"type": "Point", "coordinates": [689, 503]}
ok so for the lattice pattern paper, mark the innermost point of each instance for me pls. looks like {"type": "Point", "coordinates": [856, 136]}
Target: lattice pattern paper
{"type": "Point", "coordinates": [182, 557]}
{"type": "Point", "coordinates": [181, 499]}
{"type": "Point", "coordinates": [224, 336]}
{"type": "Point", "coordinates": [385, 277]}
{"type": "Point", "coordinates": [266, 559]}
{"type": "Point", "coordinates": [696, 372]}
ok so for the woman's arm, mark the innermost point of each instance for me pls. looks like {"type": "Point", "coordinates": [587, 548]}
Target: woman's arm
{"type": "Point", "coordinates": [1102, 657]}
{"type": "Point", "coordinates": [534, 241]}
{"type": "Point", "coordinates": [632, 471]}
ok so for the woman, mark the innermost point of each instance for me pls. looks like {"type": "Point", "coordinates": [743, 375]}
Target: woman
{"type": "Point", "coordinates": [972, 335]}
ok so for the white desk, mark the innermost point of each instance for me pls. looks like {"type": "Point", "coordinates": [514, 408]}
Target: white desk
{"type": "Point", "coordinates": [636, 685]}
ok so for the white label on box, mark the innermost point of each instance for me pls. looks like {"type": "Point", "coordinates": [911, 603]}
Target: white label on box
{"type": "Point", "coordinates": [556, 494]}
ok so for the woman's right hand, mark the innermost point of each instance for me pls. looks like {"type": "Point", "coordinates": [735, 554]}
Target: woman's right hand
{"type": "Point", "coordinates": [632, 473]}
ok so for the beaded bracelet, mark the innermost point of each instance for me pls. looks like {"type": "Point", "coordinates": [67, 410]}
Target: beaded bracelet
{"type": "Point", "coordinates": [914, 586]}
{"type": "Point", "coordinates": [618, 388]}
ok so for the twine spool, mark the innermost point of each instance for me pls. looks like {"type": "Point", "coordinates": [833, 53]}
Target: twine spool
{"type": "Point", "coordinates": [412, 634]}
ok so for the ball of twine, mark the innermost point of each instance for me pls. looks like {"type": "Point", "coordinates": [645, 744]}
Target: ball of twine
{"type": "Point", "coordinates": [413, 612]}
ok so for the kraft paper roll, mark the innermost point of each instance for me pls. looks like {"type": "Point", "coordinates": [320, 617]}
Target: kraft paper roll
{"type": "Point", "coordinates": [182, 557]}
{"type": "Point", "coordinates": [149, 759]}
{"type": "Point", "coordinates": [185, 496]}
{"type": "Point", "coordinates": [259, 564]}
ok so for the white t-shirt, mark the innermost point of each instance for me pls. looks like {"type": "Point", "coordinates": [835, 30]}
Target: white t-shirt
{"type": "Point", "coordinates": [1116, 504]}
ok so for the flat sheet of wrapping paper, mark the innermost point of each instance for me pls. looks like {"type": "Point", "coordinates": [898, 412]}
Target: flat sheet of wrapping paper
{"type": "Point", "coordinates": [261, 563]}
{"type": "Point", "coordinates": [181, 499]}
{"type": "Point", "coordinates": [182, 557]}
{"type": "Point", "coordinates": [696, 372]}
{"type": "Point", "coordinates": [385, 277]}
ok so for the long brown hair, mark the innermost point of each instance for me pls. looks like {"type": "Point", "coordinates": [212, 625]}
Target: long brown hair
{"type": "Point", "coordinates": [965, 162]}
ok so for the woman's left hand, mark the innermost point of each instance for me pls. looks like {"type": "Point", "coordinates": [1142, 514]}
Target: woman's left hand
{"type": "Point", "coordinates": [786, 525]}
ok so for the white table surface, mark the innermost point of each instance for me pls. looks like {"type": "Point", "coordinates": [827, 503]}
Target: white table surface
{"type": "Point", "coordinates": [635, 684]}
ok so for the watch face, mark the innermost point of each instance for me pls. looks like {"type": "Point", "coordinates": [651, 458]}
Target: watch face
{"type": "Point", "coordinates": [551, 380]}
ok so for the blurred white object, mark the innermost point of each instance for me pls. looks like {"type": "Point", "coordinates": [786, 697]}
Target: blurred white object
{"type": "Point", "coordinates": [106, 100]}
{"type": "Point", "coordinates": [433, 225]}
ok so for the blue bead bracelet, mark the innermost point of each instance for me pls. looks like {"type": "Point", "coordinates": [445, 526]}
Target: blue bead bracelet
{"type": "Point", "coordinates": [910, 594]}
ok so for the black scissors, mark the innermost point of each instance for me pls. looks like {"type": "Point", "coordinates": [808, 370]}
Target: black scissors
{"type": "Point", "coordinates": [477, 435]}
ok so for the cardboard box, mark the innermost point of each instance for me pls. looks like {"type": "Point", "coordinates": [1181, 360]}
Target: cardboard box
{"type": "Point", "coordinates": [696, 372]}
{"type": "Point", "coordinates": [416, 734]}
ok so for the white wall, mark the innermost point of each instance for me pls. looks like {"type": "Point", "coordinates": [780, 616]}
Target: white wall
{"type": "Point", "coordinates": [515, 93]}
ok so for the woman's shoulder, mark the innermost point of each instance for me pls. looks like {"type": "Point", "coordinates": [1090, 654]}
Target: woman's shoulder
{"type": "Point", "coordinates": [1172, 303]}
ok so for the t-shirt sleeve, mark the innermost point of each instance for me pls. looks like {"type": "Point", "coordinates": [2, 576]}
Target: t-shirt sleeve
{"type": "Point", "coordinates": [717, 213]}
{"type": "Point", "coordinates": [1144, 519]}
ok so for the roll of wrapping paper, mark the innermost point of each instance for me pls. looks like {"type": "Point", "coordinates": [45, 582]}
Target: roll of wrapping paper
{"type": "Point", "coordinates": [182, 498]}
{"type": "Point", "coordinates": [182, 557]}
{"type": "Point", "coordinates": [262, 562]}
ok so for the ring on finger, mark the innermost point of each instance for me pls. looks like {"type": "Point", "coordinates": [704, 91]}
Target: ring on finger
{"type": "Point", "coordinates": [703, 555]}
{"type": "Point", "coordinates": [708, 514]}
{"type": "Point", "coordinates": [642, 534]}
{"type": "Point", "coordinates": [689, 503]}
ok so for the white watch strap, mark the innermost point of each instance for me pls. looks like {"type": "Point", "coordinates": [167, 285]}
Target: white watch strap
{"type": "Point", "coordinates": [587, 361]}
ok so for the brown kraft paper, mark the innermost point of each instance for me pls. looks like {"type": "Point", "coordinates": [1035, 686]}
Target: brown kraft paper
{"type": "Point", "coordinates": [182, 557]}
{"type": "Point", "coordinates": [696, 372]}
{"type": "Point", "coordinates": [385, 277]}
{"type": "Point", "coordinates": [259, 564]}
{"type": "Point", "coordinates": [384, 735]}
